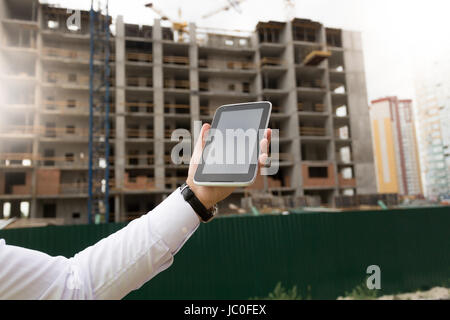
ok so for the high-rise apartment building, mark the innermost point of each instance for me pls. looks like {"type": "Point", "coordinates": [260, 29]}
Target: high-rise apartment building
{"type": "Point", "coordinates": [160, 81]}
{"type": "Point", "coordinates": [433, 110]}
{"type": "Point", "coordinates": [395, 146]}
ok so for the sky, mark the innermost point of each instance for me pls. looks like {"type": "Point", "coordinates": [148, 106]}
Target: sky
{"type": "Point", "coordinates": [398, 35]}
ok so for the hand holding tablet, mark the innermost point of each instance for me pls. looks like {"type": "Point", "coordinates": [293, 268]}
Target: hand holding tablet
{"type": "Point", "coordinates": [211, 193]}
{"type": "Point", "coordinates": [230, 155]}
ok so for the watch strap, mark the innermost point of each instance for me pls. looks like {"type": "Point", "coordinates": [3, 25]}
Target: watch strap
{"type": "Point", "coordinates": [190, 197]}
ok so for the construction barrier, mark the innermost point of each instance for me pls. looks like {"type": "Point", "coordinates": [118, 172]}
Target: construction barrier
{"type": "Point", "coordinates": [323, 254]}
{"type": "Point", "coordinates": [389, 199]}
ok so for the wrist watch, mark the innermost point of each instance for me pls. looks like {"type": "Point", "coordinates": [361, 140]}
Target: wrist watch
{"type": "Point", "coordinates": [190, 197]}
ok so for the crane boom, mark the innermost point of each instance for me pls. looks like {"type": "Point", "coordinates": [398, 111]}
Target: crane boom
{"type": "Point", "coordinates": [158, 12]}
{"type": "Point", "coordinates": [289, 8]}
{"type": "Point", "coordinates": [179, 27]}
{"type": "Point", "coordinates": [231, 4]}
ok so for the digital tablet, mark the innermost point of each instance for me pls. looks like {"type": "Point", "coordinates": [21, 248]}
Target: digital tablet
{"type": "Point", "coordinates": [230, 155]}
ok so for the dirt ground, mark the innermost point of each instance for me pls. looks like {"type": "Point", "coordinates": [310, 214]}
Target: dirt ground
{"type": "Point", "coordinates": [436, 293]}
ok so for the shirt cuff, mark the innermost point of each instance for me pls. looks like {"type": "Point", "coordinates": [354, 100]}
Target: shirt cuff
{"type": "Point", "coordinates": [174, 220]}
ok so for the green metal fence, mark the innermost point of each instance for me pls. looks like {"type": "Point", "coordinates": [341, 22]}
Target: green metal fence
{"type": "Point", "coordinates": [243, 257]}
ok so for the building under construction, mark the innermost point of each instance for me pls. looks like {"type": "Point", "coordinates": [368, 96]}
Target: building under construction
{"type": "Point", "coordinates": [163, 79]}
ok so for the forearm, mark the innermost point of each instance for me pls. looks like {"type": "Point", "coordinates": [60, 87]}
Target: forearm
{"type": "Point", "coordinates": [127, 259]}
{"type": "Point", "coordinates": [111, 268]}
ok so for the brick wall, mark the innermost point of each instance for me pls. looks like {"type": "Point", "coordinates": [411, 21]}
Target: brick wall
{"type": "Point", "coordinates": [23, 189]}
{"type": "Point", "coordinates": [318, 182]}
{"type": "Point", "coordinates": [139, 183]}
{"type": "Point", "coordinates": [2, 183]}
{"type": "Point", "coordinates": [346, 182]}
{"type": "Point", "coordinates": [48, 181]}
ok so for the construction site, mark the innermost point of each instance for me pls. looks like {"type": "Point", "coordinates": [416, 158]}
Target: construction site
{"type": "Point", "coordinates": [89, 106]}
{"type": "Point", "coordinates": [82, 148]}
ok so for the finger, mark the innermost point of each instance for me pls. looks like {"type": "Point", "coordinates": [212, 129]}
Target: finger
{"type": "Point", "coordinates": [204, 133]}
{"type": "Point", "coordinates": [268, 134]}
{"type": "Point", "coordinates": [264, 145]}
{"type": "Point", "coordinates": [262, 160]}
{"type": "Point", "coordinates": [263, 157]}
{"type": "Point", "coordinates": [201, 139]}
{"type": "Point", "coordinates": [196, 156]}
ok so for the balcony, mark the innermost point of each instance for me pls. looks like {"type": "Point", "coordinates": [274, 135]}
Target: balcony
{"type": "Point", "coordinates": [19, 35]}
{"type": "Point", "coordinates": [313, 131]}
{"type": "Point", "coordinates": [318, 176]}
{"type": "Point", "coordinates": [134, 132]}
{"type": "Point", "coordinates": [212, 38]}
{"type": "Point", "coordinates": [138, 32]}
{"type": "Point", "coordinates": [304, 30]}
{"type": "Point", "coordinates": [334, 37]}
{"type": "Point", "coordinates": [344, 155]}
{"type": "Point", "coordinates": [16, 159]}
{"type": "Point", "coordinates": [136, 160]}
{"type": "Point", "coordinates": [138, 182]}
{"type": "Point", "coordinates": [176, 109]}
{"type": "Point", "coordinates": [346, 182]}
{"type": "Point", "coordinates": [16, 183]}
{"type": "Point", "coordinates": [72, 80]}
{"type": "Point", "coordinates": [139, 57]}
{"type": "Point", "coordinates": [73, 188]}
{"type": "Point", "coordinates": [310, 107]}
{"type": "Point", "coordinates": [25, 131]}
{"type": "Point", "coordinates": [54, 20]}
{"type": "Point", "coordinates": [139, 107]}
{"type": "Point", "coordinates": [65, 107]}
{"type": "Point", "coordinates": [176, 60]}
{"type": "Point", "coordinates": [269, 32]}
{"type": "Point", "coordinates": [66, 54]}
{"type": "Point", "coordinates": [139, 82]}
{"type": "Point", "coordinates": [26, 80]}
{"type": "Point", "coordinates": [226, 66]}
{"type": "Point", "coordinates": [338, 88]}
{"type": "Point", "coordinates": [310, 83]}
{"type": "Point", "coordinates": [68, 133]}
{"type": "Point", "coordinates": [179, 37]}
{"type": "Point", "coordinates": [342, 133]}
{"type": "Point", "coordinates": [231, 88]}
{"type": "Point", "coordinates": [272, 62]}
{"type": "Point", "coordinates": [70, 160]}
{"type": "Point", "coordinates": [178, 84]}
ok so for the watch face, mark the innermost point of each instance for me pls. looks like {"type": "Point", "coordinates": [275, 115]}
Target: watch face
{"type": "Point", "coordinates": [214, 209]}
{"type": "Point", "coordinates": [213, 212]}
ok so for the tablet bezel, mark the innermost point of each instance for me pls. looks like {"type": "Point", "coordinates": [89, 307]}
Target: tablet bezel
{"type": "Point", "coordinates": [234, 179]}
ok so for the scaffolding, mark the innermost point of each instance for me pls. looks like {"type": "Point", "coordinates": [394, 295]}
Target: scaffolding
{"type": "Point", "coordinates": [99, 105]}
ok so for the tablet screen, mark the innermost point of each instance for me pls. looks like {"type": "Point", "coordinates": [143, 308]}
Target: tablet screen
{"type": "Point", "coordinates": [232, 146]}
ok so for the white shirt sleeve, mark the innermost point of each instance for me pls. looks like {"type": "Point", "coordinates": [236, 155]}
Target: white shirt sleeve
{"type": "Point", "coordinates": [109, 269]}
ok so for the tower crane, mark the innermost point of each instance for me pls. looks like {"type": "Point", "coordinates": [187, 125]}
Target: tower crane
{"type": "Point", "coordinates": [289, 7]}
{"type": "Point", "coordinates": [231, 4]}
{"type": "Point", "coordinates": [179, 26]}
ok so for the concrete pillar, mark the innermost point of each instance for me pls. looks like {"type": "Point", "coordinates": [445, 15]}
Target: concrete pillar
{"type": "Point", "coordinates": [2, 15]}
{"type": "Point", "coordinates": [36, 120]}
{"type": "Point", "coordinates": [359, 113]}
{"type": "Point", "coordinates": [120, 101]}
{"type": "Point", "coordinates": [258, 84]}
{"type": "Point", "coordinates": [329, 120]}
{"type": "Point", "coordinates": [158, 104]}
{"type": "Point", "coordinates": [291, 109]}
{"type": "Point", "coordinates": [257, 62]}
{"type": "Point", "coordinates": [193, 76]}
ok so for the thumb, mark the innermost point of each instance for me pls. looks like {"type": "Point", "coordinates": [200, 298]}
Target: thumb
{"type": "Point", "coordinates": [204, 133]}
{"type": "Point", "coordinates": [200, 144]}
